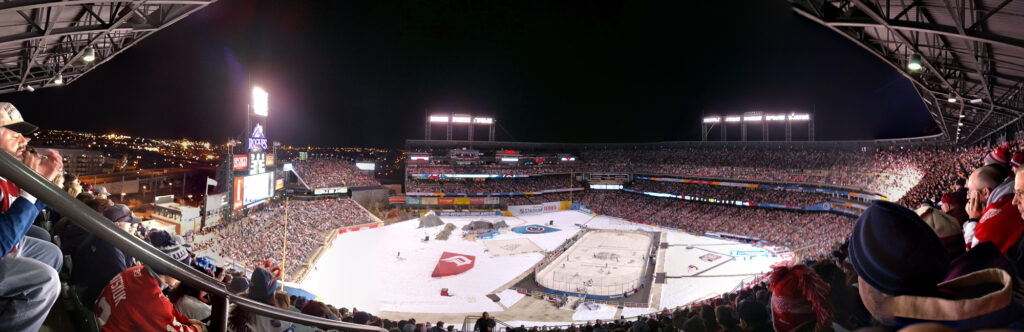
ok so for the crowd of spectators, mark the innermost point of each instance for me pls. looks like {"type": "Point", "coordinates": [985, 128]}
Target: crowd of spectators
{"type": "Point", "coordinates": [252, 240]}
{"type": "Point", "coordinates": [890, 172]}
{"type": "Point", "coordinates": [809, 233]}
{"type": "Point", "coordinates": [496, 185]}
{"type": "Point", "coordinates": [751, 195]}
{"type": "Point", "coordinates": [331, 172]}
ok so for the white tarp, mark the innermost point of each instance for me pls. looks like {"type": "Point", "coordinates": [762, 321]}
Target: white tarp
{"type": "Point", "coordinates": [511, 247]}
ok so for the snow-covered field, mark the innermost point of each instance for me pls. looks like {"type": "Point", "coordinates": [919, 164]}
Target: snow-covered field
{"type": "Point", "coordinates": [389, 268]}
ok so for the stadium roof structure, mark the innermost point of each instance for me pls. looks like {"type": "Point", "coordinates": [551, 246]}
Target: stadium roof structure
{"type": "Point", "coordinates": [968, 55]}
{"type": "Point", "coordinates": [41, 40]}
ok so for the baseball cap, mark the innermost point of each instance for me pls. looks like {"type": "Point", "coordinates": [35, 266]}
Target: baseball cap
{"type": "Point", "coordinates": [121, 213]}
{"type": "Point", "coordinates": [10, 118]}
{"type": "Point", "coordinates": [101, 190]}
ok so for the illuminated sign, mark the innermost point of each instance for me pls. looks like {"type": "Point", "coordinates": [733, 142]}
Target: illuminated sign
{"type": "Point", "coordinates": [302, 155]}
{"type": "Point", "coordinates": [568, 158]}
{"type": "Point", "coordinates": [365, 166]}
{"type": "Point", "coordinates": [278, 184]}
{"type": "Point", "coordinates": [239, 184]}
{"type": "Point", "coordinates": [419, 158]}
{"type": "Point", "coordinates": [509, 159]}
{"type": "Point", "coordinates": [288, 167]}
{"type": "Point", "coordinates": [258, 141]}
{"type": "Point", "coordinates": [257, 163]}
{"type": "Point", "coordinates": [270, 160]}
{"type": "Point", "coordinates": [240, 162]}
{"type": "Point", "coordinates": [328, 191]}
{"type": "Point", "coordinates": [606, 186]}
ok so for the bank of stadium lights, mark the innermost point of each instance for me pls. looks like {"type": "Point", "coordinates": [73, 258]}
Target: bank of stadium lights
{"type": "Point", "coordinates": [463, 120]}
{"type": "Point", "coordinates": [712, 119]}
{"type": "Point", "coordinates": [733, 119]}
{"type": "Point", "coordinates": [752, 118]}
{"type": "Point", "coordinates": [914, 63]}
{"type": "Point", "coordinates": [799, 117]}
{"type": "Point", "coordinates": [260, 101]}
{"type": "Point", "coordinates": [781, 117]}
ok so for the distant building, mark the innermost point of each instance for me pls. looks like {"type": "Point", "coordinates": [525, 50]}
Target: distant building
{"type": "Point", "coordinates": [81, 161]}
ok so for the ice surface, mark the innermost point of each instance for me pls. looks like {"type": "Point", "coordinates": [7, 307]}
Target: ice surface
{"type": "Point", "coordinates": [388, 268]}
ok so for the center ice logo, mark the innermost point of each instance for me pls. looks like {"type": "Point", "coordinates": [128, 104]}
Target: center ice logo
{"type": "Point", "coordinates": [458, 260]}
{"type": "Point", "coordinates": [534, 229]}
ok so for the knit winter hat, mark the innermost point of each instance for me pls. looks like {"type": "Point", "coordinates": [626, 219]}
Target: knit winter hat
{"type": "Point", "coordinates": [958, 198]}
{"type": "Point", "coordinates": [799, 297]}
{"type": "Point", "coordinates": [896, 252]}
{"type": "Point", "coordinates": [261, 285]}
{"type": "Point", "coordinates": [999, 155]}
{"type": "Point", "coordinates": [946, 227]}
{"type": "Point", "coordinates": [313, 308]}
{"type": "Point", "coordinates": [360, 317]}
{"type": "Point", "coordinates": [165, 242]}
{"type": "Point", "coordinates": [1018, 158]}
{"type": "Point", "coordinates": [238, 285]}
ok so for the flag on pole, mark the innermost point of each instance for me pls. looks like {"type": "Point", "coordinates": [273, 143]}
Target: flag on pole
{"type": "Point", "coordinates": [211, 182]}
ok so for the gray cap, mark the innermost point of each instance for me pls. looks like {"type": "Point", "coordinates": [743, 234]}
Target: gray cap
{"type": "Point", "coordinates": [121, 213]}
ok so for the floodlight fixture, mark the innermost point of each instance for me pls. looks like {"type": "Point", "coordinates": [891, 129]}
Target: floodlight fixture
{"type": "Point", "coordinates": [959, 124]}
{"type": "Point", "coordinates": [260, 101]}
{"type": "Point", "coordinates": [733, 119]}
{"type": "Point", "coordinates": [483, 120]}
{"type": "Point", "coordinates": [951, 99]}
{"type": "Point", "coordinates": [780, 117]}
{"type": "Point", "coordinates": [914, 63]}
{"type": "Point", "coordinates": [752, 118]}
{"type": "Point", "coordinates": [439, 118]}
{"type": "Point", "coordinates": [89, 55]}
{"type": "Point", "coordinates": [799, 117]}
{"type": "Point", "coordinates": [462, 119]}
{"type": "Point", "coordinates": [975, 101]}
{"type": "Point", "coordinates": [59, 79]}
{"type": "Point", "coordinates": [962, 115]}
{"type": "Point", "coordinates": [712, 119]}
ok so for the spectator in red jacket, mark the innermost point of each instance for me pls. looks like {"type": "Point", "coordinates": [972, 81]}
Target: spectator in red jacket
{"type": "Point", "coordinates": [134, 299]}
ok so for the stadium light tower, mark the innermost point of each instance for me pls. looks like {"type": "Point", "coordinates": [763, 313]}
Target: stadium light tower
{"type": "Point", "coordinates": [260, 101]}
{"type": "Point", "coordinates": [450, 120]}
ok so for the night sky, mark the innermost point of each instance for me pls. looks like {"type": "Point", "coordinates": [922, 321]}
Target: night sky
{"type": "Point", "coordinates": [365, 73]}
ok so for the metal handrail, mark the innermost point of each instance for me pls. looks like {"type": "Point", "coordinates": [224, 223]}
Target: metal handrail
{"type": "Point", "coordinates": [13, 170]}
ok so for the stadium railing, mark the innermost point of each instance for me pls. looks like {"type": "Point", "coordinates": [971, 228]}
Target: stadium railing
{"type": "Point", "coordinates": [13, 170]}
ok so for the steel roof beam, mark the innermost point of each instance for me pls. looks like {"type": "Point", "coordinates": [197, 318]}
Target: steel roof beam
{"type": "Point", "coordinates": [34, 4]}
{"type": "Point", "coordinates": [938, 29]}
{"type": "Point", "coordinates": [85, 29]}
{"type": "Point", "coordinates": [974, 56]}
{"type": "Point", "coordinates": [51, 18]}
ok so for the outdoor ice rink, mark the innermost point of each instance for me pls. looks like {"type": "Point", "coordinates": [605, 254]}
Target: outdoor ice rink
{"type": "Point", "coordinates": [600, 263]}
{"type": "Point", "coordinates": [363, 269]}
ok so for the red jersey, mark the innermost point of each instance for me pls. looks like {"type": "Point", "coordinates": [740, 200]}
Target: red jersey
{"type": "Point", "coordinates": [9, 192]}
{"type": "Point", "coordinates": [132, 301]}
